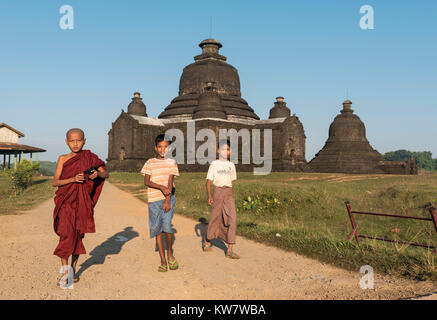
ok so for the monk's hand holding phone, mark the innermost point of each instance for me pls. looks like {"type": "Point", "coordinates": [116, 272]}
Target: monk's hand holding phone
{"type": "Point", "coordinates": [167, 204]}
{"type": "Point", "coordinates": [210, 201]}
{"type": "Point", "coordinates": [79, 178]}
{"type": "Point", "coordinates": [94, 174]}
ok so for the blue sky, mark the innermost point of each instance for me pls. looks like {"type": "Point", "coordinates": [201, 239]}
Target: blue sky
{"type": "Point", "coordinates": [308, 51]}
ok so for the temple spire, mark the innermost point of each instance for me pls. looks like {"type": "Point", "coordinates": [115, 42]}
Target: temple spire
{"type": "Point", "coordinates": [280, 109]}
{"type": "Point", "coordinates": [347, 106]}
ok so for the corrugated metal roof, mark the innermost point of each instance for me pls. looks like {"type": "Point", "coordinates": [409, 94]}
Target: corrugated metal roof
{"type": "Point", "coordinates": [15, 147]}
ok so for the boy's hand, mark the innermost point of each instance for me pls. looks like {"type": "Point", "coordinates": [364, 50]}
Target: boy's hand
{"type": "Point", "coordinates": [167, 204]}
{"type": "Point", "coordinates": [94, 174]}
{"type": "Point", "coordinates": [166, 191]}
{"type": "Point", "coordinates": [79, 178]}
{"type": "Point", "coordinates": [210, 201]}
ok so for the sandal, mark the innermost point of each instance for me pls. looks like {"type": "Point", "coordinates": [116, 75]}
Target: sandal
{"type": "Point", "coordinates": [173, 265]}
{"type": "Point", "coordinates": [207, 248]}
{"type": "Point", "coordinates": [75, 277]}
{"type": "Point", "coordinates": [232, 255]}
{"type": "Point", "coordinates": [162, 268]}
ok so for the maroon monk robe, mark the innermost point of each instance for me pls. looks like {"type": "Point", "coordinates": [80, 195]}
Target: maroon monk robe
{"type": "Point", "coordinates": [74, 204]}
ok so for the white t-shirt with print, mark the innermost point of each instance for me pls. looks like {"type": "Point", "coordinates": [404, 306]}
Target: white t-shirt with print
{"type": "Point", "coordinates": [222, 173]}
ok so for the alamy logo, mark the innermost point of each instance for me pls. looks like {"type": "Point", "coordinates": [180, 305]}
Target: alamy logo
{"type": "Point", "coordinates": [206, 153]}
{"type": "Point", "coordinates": [67, 20]}
{"type": "Point", "coordinates": [66, 281]}
{"type": "Point", "coordinates": [367, 281]}
{"type": "Point", "coordinates": [367, 21]}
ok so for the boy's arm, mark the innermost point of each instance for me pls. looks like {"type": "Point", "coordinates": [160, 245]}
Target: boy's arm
{"type": "Point", "coordinates": [208, 190]}
{"type": "Point", "coordinates": [170, 182]}
{"type": "Point", "coordinates": [167, 202]}
{"type": "Point", "coordinates": [234, 173]}
{"type": "Point", "coordinates": [154, 185]}
{"type": "Point", "coordinates": [79, 178]}
{"type": "Point", "coordinates": [209, 179]}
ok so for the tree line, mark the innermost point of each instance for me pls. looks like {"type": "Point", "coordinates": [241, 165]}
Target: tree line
{"type": "Point", "coordinates": [423, 159]}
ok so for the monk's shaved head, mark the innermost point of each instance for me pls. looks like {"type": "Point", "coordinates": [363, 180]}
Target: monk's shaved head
{"type": "Point", "coordinates": [75, 130]}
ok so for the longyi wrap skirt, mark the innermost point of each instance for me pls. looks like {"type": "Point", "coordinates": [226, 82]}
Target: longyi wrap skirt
{"type": "Point", "coordinates": [223, 219]}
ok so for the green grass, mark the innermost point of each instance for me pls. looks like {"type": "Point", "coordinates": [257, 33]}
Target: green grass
{"type": "Point", "coordinates": [40, 191]}
{"type": "Point", "coordinates": [308, 212]}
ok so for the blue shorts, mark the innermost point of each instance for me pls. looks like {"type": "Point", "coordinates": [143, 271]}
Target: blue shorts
{"type": "Point", "coordinates": [160, 221]}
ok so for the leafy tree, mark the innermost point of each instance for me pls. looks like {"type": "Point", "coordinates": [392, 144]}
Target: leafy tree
{"type": "Point", "coordinates": [399, 155]}
{"type": "Point", "coordinates": [423, 159]}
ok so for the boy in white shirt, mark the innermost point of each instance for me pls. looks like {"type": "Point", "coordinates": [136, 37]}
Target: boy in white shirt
{"type": "Point", "coordinates": [223, 219]}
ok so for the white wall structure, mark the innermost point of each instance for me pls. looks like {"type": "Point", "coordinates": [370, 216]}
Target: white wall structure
{"type": "Point", "coordinates": [8, 136]}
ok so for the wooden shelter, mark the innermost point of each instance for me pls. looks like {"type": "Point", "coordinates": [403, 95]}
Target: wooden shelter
{"type": "Point", "coordinates": [9, 145]}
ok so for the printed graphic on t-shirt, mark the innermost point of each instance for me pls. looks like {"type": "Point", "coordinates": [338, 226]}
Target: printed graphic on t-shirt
{"type": "Point", "coordinates": [225, 171]}
{"type": "Point", "coordinates": [222, 173]}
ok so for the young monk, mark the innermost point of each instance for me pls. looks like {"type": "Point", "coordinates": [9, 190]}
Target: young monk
{"type": "Point", "coordinates": [75, 199]}
{"type": "Point", "coordinates": [223, 219]}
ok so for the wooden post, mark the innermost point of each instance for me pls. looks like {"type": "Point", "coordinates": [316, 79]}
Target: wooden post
{"type": "Point", "coordinates": [19, 156]}
{"type": "Point", "coordinates": [9, 162]}
{"type": "Point", "coordinates": [31, 157]}
{"type": "Point", "coordinates": [4, 161]}
{"type": "Point", "coordinates": [15, 161]}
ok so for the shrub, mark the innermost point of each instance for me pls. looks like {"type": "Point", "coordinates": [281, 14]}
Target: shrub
{"type": "Point", "coordinates": [21, 177]}
{"type": "Point", "coordinates": [259, 203]}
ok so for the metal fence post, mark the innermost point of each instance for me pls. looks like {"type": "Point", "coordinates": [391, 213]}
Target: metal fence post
{"type": "Point", "coordinates": [353, 223]}
{"type": "Point", "coordinates": [434, 221]}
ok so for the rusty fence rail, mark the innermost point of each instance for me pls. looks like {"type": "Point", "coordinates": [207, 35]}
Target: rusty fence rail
{"type": "Point", "coordinates": [357, 236]}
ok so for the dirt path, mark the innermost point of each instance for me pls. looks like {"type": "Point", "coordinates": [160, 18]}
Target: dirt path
{"type": "Point", "coordinates": [121, 263]}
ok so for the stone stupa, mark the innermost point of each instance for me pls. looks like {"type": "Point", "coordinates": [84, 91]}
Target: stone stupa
{"type": "Point", "coordinates": [347, 149]}
{"type": "Point", "coordinates": [209, 67]}
{"type": "Point", "coordinates": [209, 97]}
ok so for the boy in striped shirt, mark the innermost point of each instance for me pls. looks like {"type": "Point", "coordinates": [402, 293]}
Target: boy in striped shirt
{"type": "Point", "coordinates": [159, 174]}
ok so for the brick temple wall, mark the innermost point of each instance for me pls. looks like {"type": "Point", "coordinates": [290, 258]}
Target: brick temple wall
{"type": "Point", "coordinates": [132, 143]}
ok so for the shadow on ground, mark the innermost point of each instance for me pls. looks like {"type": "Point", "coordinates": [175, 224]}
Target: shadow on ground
{"type": "Point", "coordinates": [201, 228]}
{"type": "Point", "coordinates": [112, 245]}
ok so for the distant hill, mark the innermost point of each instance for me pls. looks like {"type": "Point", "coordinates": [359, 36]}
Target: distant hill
{"type": "Point", "coordinates": [47, 168]}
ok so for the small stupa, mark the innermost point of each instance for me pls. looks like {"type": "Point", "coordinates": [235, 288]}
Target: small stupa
{"type": "Point", "coordinates": [347, 149]}
{"type": "Point", "coordinates": [137, 106]}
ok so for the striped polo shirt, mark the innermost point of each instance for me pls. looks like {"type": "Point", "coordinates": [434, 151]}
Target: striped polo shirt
{"type": "Point", "coordinates": [159, 171]}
